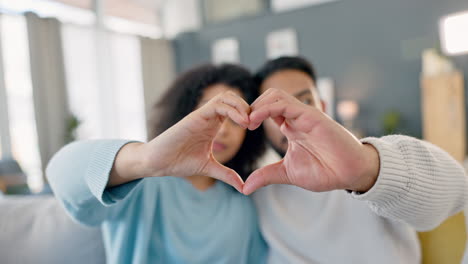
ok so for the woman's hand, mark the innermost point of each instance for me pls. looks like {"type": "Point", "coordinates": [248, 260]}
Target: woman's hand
{"type": "Point", "coordinates": [185, 149]}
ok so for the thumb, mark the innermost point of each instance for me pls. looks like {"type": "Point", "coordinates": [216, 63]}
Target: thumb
{"type": "Point", "coordinates": [215, 170]}
{"type": "Point", "coordinates": [272, 174]}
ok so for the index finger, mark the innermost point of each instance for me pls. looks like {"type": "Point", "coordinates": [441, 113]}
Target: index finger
{"type": "Point", "coordinates": [235, 101]}
{"type": "Point", "coordinates": [271, 96]}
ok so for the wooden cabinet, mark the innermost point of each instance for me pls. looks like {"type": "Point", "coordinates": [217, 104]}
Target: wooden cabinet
{"type": "Point", "coordinates": [444, 124]}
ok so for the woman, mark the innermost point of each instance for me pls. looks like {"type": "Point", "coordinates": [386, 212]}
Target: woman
{"type": "Point", "coordinates": [191, 217]}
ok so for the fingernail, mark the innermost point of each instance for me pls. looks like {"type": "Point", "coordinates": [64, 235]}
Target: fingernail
{"type": "Point", "coordinates": [245, 191]}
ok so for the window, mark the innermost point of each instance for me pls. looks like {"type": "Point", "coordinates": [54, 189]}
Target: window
{"type": "Point", "coordinates": [22, 122]}
{"type": "Point", "coordinates": [134, 17]}
{"type": "Point", "coordinates": [103, 73]}
{"type": "Point", "coordinates": [44, 8]}
{"type": "Point", "coordinates": [128, 85]}
{"type": "Point", "coordinates": [104, 82]}
{"type": "Point", "coordinates": [79, 48]}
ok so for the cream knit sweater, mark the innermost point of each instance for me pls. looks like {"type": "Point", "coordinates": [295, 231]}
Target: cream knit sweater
{"type": "Point", "coordinates": [418, 187]}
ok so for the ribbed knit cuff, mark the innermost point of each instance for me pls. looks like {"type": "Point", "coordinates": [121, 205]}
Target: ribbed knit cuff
{"type": "Point", "coordinates": [97, 175]}
{"type": "Point", "coordinates": [393, 181]}
{"type": "Point", "coordinates": [418, 182]}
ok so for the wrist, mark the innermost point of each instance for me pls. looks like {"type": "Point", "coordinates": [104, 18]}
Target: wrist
{"type": "Point", "coordinates": [370, 172]}
{"type": "Point", "coordinates": [128, 165]}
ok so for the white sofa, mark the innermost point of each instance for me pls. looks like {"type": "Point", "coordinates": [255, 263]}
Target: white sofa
{"type": "Point", "coordinates": [36, 229]}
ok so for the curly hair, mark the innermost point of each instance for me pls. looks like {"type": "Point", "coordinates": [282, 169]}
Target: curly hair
{"type": "Point", "coordinates": [184, 94]}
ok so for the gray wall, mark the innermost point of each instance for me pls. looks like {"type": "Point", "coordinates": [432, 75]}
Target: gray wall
{"type": "Point", "coordinates": [371, 48]}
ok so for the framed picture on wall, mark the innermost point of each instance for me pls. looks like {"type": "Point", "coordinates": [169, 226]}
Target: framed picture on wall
{"type": "Point", "coordinates": [282, 43]}
{"type": "Point", "coordinates": [225, 50]}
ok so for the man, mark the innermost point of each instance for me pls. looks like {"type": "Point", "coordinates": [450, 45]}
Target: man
{"type": "Point", "coordinates": [354, 201]}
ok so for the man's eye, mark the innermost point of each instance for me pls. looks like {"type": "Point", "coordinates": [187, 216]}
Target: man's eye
{"type": "Point", "coordinates": [307, 101]}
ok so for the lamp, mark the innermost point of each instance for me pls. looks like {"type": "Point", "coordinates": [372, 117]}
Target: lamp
{"type": "Point", "coordinates": [453, 32]}
{"type": "Point", "coordinates": [347, 111]}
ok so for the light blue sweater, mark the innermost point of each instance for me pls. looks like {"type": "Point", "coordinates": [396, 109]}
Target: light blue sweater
{"type": "Point", "coordinates": [155, 220]}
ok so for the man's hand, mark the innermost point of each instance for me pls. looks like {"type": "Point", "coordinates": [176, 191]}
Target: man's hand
{"type": "Point", "coordinates": [321, 155]}
{"type": "Point", "coordinates": [185, 149]}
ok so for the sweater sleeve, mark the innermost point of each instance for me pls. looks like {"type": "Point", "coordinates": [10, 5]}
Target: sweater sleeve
{"type": "Point", "coordinates": [418, 183]}
{"type": "Point", "coordinates": [78, 175]}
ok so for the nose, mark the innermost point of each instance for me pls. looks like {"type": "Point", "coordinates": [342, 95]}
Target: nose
{"type": "Point", "coordinates": [224, 129]}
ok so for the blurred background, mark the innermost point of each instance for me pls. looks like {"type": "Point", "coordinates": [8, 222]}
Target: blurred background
{"type": "Point", "coordinates": [87, 69]}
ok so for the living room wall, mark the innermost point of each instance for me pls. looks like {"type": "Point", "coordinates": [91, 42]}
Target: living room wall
{"type": "Point", "coordinates": [371, 49]}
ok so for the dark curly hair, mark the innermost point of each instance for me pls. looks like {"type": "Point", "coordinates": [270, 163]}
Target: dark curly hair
{"type": "Point", "coordinates": [184, 95]}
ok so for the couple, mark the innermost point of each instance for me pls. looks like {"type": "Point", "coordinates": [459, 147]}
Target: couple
{"type": "Point", "coordinates": [331, 199]}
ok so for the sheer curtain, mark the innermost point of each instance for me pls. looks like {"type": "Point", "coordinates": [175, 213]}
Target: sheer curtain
{"type": "Point", "coordinates": [158, 70]}
{"type": "Point", "coordinates": [48, 80]}
{"type": "Point", "coordinates": [5, 148]}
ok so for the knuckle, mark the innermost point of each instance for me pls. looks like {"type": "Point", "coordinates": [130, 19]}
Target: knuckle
{"type": "Point", "coordinates": [231, 93]}
{"type": "Point", "coordinates": [219, 104]}
{"type": "Point", "coordinates": [275, 91]}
